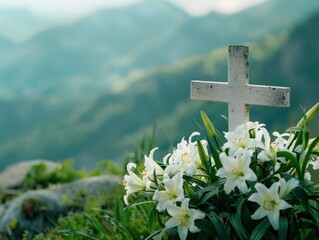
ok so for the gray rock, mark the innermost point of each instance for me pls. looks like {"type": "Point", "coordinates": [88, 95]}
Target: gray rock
{"type": "Point", "coordinates": [13, 176]}
{"type": "Point", "coordinates": [89, 186]}
{"type": "Point", "coordinates": [2, 210]}
{"type": "Point", "coordinates": [36, 211]}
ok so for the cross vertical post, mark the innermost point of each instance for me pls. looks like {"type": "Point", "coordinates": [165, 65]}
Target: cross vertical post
{"type": "Point", "coordinates": [238, 93]}
{"type": "Point", "coordinates": [238, 75]}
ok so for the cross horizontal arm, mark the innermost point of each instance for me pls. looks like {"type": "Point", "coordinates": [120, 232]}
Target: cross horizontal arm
{"type": "Point", "coordinates": [267, 96]}
{"type": "Point", "coordinates": [209, 91]}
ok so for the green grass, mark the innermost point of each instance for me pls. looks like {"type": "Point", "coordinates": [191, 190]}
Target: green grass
{"type": "Point", "coordinates": [103, 217]}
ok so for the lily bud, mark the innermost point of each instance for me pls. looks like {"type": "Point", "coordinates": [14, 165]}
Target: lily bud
{"type": "Point", "coordinates": [208, 125]}
{"type": "Point", "coordinates": [310, 115]}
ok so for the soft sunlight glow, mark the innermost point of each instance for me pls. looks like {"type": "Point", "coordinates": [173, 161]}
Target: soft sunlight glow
{"type": "Point", "coordinates": [76, 8]}
{"type": "Point", "coordinates": [68, 9]}
{"type": "Point", "coordinates": [201, 7]}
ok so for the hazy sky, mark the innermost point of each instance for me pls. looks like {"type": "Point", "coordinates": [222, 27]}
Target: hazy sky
{"type": "Point", "coordinates": [76, 8]}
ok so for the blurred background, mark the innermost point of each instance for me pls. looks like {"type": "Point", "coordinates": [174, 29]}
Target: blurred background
{"type": "Point", "coordinates": [86, 80]}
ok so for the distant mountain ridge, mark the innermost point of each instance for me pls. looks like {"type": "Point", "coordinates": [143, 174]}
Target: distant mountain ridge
{"type": "Point", "coordinates": [18, 24]}
{"type": "Point", "coordinates": [202, 34]}
{"type": "Point", "coordinates": [111, 124]}
{"type": "Point", "coordinates": [94, 51]}
{"type": "Point", "coordinates": [116, 42]}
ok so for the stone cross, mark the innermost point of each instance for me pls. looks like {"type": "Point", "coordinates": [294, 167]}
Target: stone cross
{"type": "Point", "coordinates": [238, 93]}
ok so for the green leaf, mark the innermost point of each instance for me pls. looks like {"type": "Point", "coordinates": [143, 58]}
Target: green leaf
{"type": "Point", "coordinates": [283, 228]}
{"type": "Point", "coordinates": [306, 185]}
{"type": "Point", "coordinates": [211, 191]}
{"type": "Point", "coordinates": [218, 225]}
{"type": "Point", "coordinates": [158, 233]}
{"type": "Point", "coordinates": [294, 230]}
{"type": "Point", "coordinates": [172, 233]}
{"type": "Point", "coordinates": [209, 195]}
{"type": "Point", "coordinates": [152, 217]}
{"type": "Point", "coordinates": [78, 233]}
{"type": "Point", "coordinates": [260, 230]}
{"type": "Point", "coordinates": [190, 192]}
{"type": "Point", "coordinates": [110, 217]}
{"type": "Point", "coordinates": [95, 224]}
{"type": "Point", "coordinates": [138, 198]}
{"type": "Point", "coordinates": [121, 213]}
{"type": "Point", "coordinates": [302, 196]}
{"type": "Point", "coordinates": [191, 179]}
{"type": "Point", "coordinates": [238, 227]}
{"type": "Point", "coordinates": [298, 138]}
{"type": "Point", "coordinates": [293, 159]}
{"type": "Point", "coordinates": [206, 226]}
{"type": "Point", "coordinates": [240, 216]}
{"type": "Point", "coordinates": [312, 235]}
{"type": "Point", "coordinates": [236, 221]}
{"type": "Point", "coordinates": [214, 185]}
{"type": "Point", "coordinates": [215, 154]}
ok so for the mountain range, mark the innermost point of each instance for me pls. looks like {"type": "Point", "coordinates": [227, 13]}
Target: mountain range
{"type": "Point", "coordinates": [108, 45]}
{"type": "Point", "coordinates": [91, 89]}
{"type": "Point", "coordinates": [19, 24]}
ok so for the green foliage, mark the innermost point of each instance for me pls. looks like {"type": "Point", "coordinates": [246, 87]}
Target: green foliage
{"type": "Point", "coordinates": [306, 197]}
{"type": "Point", "coordinates": [227, 199]}
{"type": "Point", "coordinates": [104, 217]}
{"type": "Point", "coordinates": [40, 177]}
{"type": "Point", "coordinates": [107, 167]}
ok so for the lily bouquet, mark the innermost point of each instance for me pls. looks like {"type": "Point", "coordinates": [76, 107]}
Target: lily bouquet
{"type": "Point", "coordinates": [246, 184]}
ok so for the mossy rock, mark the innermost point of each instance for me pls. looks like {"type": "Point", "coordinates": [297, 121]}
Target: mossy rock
{"type": "Point", "coordinates": [34, 211]}
{"type": "Point", "coordinates": [37, 211]}
{"type": "Point", "coordinates": [13, 176]}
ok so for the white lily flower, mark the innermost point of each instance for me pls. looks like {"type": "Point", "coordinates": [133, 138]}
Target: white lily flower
{"type": "Point", "coordinates": [240, 137]}
{"type": "Point", "coordinates": [185, 157]}
{"type": "Point", "coordinates": [268, 154]}
{"type": "Point", "coordinates": [132, 182]}
{"type": "Point", "coordinates": [173, 191]}
{"type": "Point", "coordinates": [287, 187]}
{"type": "Point", "coordinates": [307, 176]}
{"type": "Point", "coordinates": [281, 143]}
{"type": "Point", "coordinates": [256, 129]}
{"type": "Point", "coordinates": [270, 149]}
{"type": "Point", "coordinates": [315, 163]}
{"type": "Point", "coordinates": [236, 170]}
{"type": "Point", "coordinates": [270, 203]}
{"type": "Point", "coordinates": [150, 167]}
{"type": "Point", "coordinates": [183, 218]}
